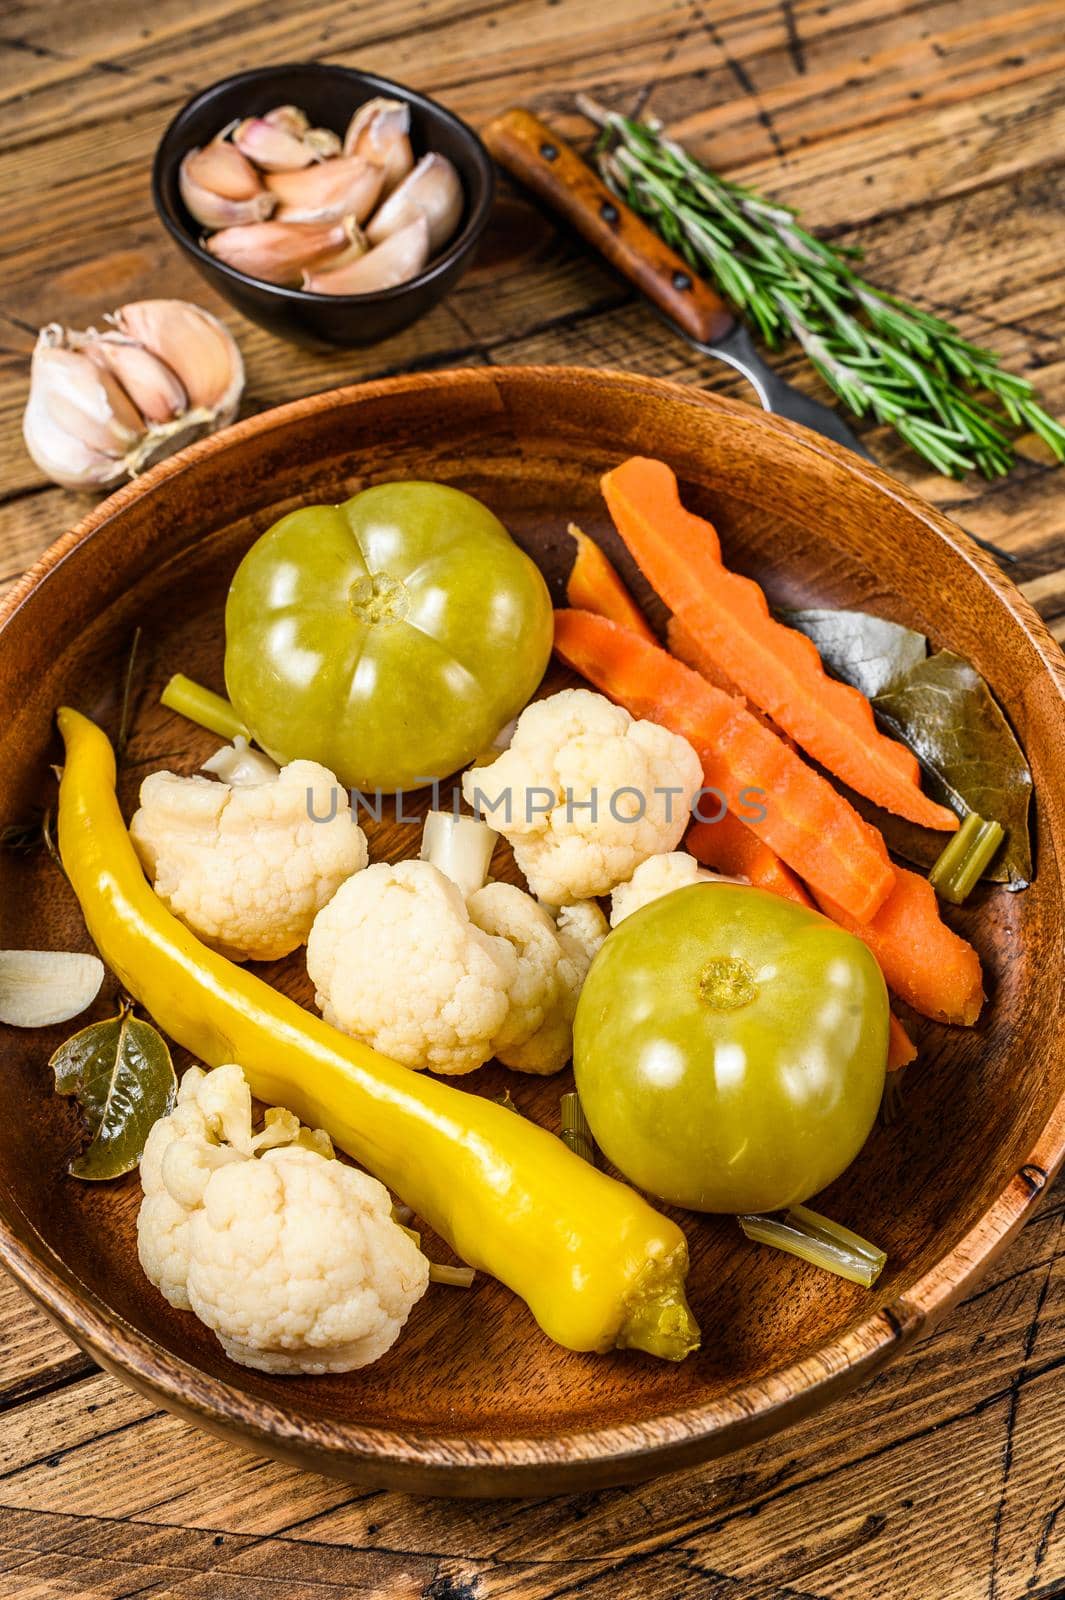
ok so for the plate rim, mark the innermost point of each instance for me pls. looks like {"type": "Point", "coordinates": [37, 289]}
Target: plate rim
{"type": "Point", "coordinates": [595, 1457]}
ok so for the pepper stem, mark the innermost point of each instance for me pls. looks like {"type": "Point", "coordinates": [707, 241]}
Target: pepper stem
{"type": "Point", "coordinates": [658, 1318]}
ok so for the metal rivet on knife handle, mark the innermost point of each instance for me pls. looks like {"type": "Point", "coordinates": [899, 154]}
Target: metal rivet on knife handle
{"type": "Point", "coordinates": [554, 172]}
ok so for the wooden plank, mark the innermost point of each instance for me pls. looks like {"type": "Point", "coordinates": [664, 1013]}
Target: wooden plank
{"type": "Point", "coordinates": [734, 71]}
{"type": "Point", "coordinates": [109, 1557]}
{"type": "Point", "coordinates": [34, 1352]}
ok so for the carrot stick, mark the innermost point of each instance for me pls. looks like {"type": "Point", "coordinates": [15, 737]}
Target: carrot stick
{"type": "Point", "coordinates": [727, 618]}
{"type": "Point", "coordinates": [681, 642]}
{"type": "Point", "coordinates": [925, 962]}
{"type": "Point", "coordinates": [594, 585]}
{"type": "Point", "coordinates": [901, 1049]}
{"type": "Point", "coordinates": [811, 827]}
{"type": "Point", "coordinates": [729, 846]}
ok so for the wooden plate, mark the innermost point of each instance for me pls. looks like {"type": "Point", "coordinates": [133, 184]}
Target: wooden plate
{"type": "Point", "coordinates": [473, 1399]}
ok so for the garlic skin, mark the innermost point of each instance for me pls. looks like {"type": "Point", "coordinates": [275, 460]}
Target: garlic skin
{"type": "Point", "coordinates": [195, 345]}
{"type": "Point", "coordinates": [157, 392]}
{"type": "Point", "coordinates": [278, 252]}
{"type": "Point", "coordinates": [380, 132]}
{"type": "Point", "coordinates": [42, 987]}
{"type": "Point", "coordinates": [433, 188]}
{"type": "Point", "coordinates": [398, 259]}
{"type": "Point", "coordinates": [347, 186]}
{"type": "Point", "coordinates": [103, 405]}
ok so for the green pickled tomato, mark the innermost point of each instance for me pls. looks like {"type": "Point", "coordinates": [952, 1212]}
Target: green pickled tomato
{"type": "Point", "coordinates": [389, 638]}
{"type": "Point", "coordinates": [730, 1048]}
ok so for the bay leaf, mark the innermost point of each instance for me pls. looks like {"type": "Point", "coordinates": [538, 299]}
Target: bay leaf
{"type": "Point", "coordinates": [952, 722]}
{"type": "Point", "coordinates": [942, 709]}
{"type": "Point", "coordinates": [869, 652]}
{"type": "Point", "coordinates": [123, 1078]}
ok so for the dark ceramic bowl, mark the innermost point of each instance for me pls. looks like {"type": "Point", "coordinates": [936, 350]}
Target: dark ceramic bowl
{"type": "Point", "coordinates": [329, 95]}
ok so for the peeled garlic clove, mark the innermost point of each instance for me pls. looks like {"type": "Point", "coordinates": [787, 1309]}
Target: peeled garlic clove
{"type": "Point", "coordinates": [240, 766]}
{"type": "Point", "coordinates": [272, 148]}
{"type": "Point", "coordinates": [79, 423]}
{"type": "Point", "coordinates": [42, 987]}
{"type": "Point", "coordinates": [346, 186]}
{"type": "Point", "coordinates": [277, 252]}
{"type": "Point", "coordinates": [216, 210]}
{"type": "Point", "coordinates": [155, 390]}
{"type": "Point", "coordinates": [196, 346]}
{"type": "Point", "coordinates": [380, 132]}
{"type": "Point", "coordinates": [400, 257]}
{"type": "Point", "coordinates": [433, 188]}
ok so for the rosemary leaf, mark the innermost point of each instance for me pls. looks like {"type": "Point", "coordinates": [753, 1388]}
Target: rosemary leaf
{"type": "Point", "coordinates": [881, 356]}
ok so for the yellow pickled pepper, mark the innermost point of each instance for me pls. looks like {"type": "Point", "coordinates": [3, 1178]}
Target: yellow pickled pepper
{"type": "Point", "coordinates": [596, 1265]}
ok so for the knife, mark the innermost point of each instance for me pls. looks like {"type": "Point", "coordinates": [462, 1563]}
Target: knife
{"type": "Point", "coordinates": [536, 155]}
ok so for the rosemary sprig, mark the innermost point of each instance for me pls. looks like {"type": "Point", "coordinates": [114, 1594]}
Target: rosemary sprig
{"type": "Point", "coordinates": [950, 400]}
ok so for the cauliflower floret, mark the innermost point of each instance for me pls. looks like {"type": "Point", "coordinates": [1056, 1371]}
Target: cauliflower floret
{"type": "Point", "coordinates": [552, 961]}
{"type": "Point", "coordinates": [294, 1260]}
{"type": "Point", "coordinates": [570, 752]}
{"type": "Point", "coordinates": [582, 929]}
{"type": "Point", "coordinates": [396, 962]}
{"type": "Point", "coordinates": [163, 1246]}
{"type": "Point", "coordinates": [655, 877]}
{"type": "Point", "coordinates": [247, 867]}
{"type": "Point", "coordinates": [297, 1265]}
{"type": "Point", "coordinates": [174, 1148]}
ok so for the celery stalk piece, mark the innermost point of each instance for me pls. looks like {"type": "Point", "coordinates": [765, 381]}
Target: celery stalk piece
{"type": "Point", "coordinates": [459, 847]}
{"type": "Point", "coordinates": [820, 1241]}
{"type": "Point", "coordinates": [457, 1277]}
{"type": "Point", "coordinates": [204, 707]}
{"type": "Point", "coordinates": [576, 1133]}
{"type": "Point", "coordinates": [966, 858]}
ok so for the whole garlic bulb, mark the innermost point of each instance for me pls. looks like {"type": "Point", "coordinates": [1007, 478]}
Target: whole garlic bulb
{"type": "Point", "coordinates": [103, 406]}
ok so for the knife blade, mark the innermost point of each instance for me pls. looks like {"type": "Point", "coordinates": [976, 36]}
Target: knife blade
{"type": "Point", "coordinates": [539, 158]}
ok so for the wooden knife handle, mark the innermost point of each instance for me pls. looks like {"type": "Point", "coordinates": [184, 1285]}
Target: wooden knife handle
{"type": "Point", "coordinates": [529, 150]}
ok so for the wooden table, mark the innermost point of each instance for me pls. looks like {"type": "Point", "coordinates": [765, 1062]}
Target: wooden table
{"type": "Point", "coordinates": [930, 134]}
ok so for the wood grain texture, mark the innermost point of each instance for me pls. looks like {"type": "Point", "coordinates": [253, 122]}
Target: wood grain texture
{"type": "Point", "coordinates": [930, 133]}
